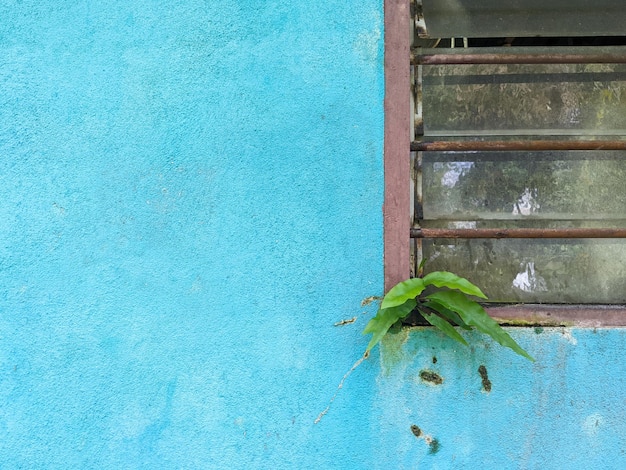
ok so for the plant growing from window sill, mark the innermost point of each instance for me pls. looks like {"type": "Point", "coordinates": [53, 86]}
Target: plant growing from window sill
{"type": "Point", "coordinates": [444, 309]}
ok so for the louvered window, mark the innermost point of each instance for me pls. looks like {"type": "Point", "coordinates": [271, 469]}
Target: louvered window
{"type": "Point", "coordinates": [518, 155]}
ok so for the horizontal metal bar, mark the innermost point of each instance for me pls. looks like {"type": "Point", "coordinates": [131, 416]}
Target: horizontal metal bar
{"type": "Point", "coordinates": [518, 233]}
{"type": "Point", "coordinates": [522, 145]}
{"type": "Point", "coordinates": [466, 59]}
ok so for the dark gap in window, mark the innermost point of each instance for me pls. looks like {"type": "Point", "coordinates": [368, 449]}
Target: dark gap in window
{"type": "Point", "coordinates": [538, 41]}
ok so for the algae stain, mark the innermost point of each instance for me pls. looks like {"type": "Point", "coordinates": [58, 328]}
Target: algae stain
{"type": "Point", "coordinates": [482, 370]}
{"type": "Point", "coordinates": [392, 351]}
{"type": "Point", "coordinates": [434, 446]}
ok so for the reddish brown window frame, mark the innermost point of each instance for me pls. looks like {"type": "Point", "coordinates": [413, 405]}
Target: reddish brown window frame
{"type": "Point", "coordinates": [396, 208]}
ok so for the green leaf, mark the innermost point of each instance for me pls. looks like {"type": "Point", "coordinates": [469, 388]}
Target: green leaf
{"type": "Point", "coordinates": [474, 315]}
{"type": "Point", "coordinates": [444, 326]}
{"type": "Point", "coordinates": [452, 281]}
{"type": "Point", "coordinates": [420, 268]}
{"type": "Point", "coordinates": [402, 292]}
{"type": "Point", "coordinates": [384, 319]}
{"type": "Point", "coordinates": [449, 315]}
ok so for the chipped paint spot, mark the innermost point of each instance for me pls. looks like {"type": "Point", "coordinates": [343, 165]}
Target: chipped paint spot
{"type": "Point", "coordinates": [592, 424]}
{"type": "Point", "coordinates": [482, 370]}
{"type": "Point", "coordinates": [368, 300]}
{"type": "Point", "coordinates": [567, 334]}
{"type": "Point", "coordinates": [429, 440]}
{"type": "Point", "coordinates": [431, 377]}
{"type": "Point", "coordinates": [345, 322]}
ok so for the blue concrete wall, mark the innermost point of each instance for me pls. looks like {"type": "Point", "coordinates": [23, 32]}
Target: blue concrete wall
{"type": "Point", "coordinates": [565, 411]}
{"type": "Point", "coordinates": [191, 198]}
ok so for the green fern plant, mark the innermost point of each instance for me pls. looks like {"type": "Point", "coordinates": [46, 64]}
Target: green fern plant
{"type": "Point", "coordinates": [444, 309]}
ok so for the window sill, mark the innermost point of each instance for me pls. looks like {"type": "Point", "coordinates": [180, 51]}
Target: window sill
{"type": "Point", "coordinates": [527, 315]}
{"type": "Point", "coordinates": [583, 316]}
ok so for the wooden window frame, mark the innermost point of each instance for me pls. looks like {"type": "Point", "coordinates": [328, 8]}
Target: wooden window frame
{"type": "Point", "coordinates": [396, 207]}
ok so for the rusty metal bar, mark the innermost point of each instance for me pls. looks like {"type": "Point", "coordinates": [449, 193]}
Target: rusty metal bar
{"type": "Point", "coordinates": [518, 233]}
{"type": "Point", "coordinates": [555, 58]}
{"type": "Point", "coordinates": [520, 145]}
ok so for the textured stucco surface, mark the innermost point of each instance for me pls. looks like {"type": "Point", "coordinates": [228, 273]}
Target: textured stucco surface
{"type": "Point", "coordinates": [191, 198]}
{"type": "Point", "coordinates": [565, 411]}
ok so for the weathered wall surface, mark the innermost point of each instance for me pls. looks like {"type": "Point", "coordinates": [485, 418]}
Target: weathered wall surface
{"type": "Point", "coordinates": [191, 198]}
{"type": "Point", "coordinates": [444, 406]}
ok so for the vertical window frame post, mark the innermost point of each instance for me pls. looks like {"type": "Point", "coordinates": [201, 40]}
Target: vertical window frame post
{"type": "Point", "coordinates": [397, 139]}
